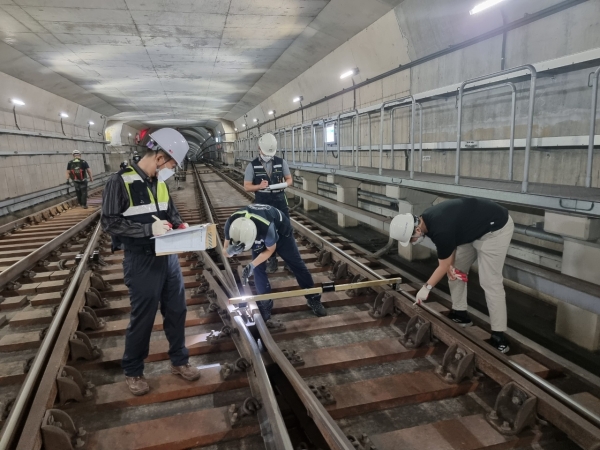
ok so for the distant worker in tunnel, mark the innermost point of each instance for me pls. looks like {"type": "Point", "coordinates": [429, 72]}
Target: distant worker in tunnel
{"type": "Point", "coordinates": [268, 176]}
{"type": "Point", "coordinates": [77, 173]}
{"type": "Point", "coordinates": [266, 230]}
{"type": "Point", "coordinates": [137, 206]}
{"type": "Point", "coordinates": [464, 230]}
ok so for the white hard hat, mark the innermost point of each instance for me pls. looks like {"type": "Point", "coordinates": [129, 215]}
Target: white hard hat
{"type": "Point", "coordinates": [402, 228]}
{"type": "Point", "coordinates": [76, 152]}
{"type": "Point", "coordinates": [268, 144]}
{"type": "Point", "coordinates": [172, 142]}
{"type": "Point", "coordinates": [243, 230]}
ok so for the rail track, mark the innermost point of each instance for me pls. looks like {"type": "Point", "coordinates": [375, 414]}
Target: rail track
{"type": "Point", "coordinates": [376, 373]}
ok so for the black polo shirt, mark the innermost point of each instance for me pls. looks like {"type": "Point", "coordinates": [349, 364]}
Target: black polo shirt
{"type": "Point", "coordinates": [461, 221]}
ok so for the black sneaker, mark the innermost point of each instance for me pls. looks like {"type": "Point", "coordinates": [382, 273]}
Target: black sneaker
{"type": "Point", "coordinates": [317, 307]}
{"type": "Point", "coordinates": [460, 318]}
{"type": "Point", "coordinates": [499, 342]}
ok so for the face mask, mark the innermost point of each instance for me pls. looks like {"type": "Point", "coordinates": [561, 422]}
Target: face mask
{"type": "Point", "coordinates": [165, 174]}
{"type": "Point", "coordinates": [419, 240]}
{"type": "Point", "coordinates": [266, 158]}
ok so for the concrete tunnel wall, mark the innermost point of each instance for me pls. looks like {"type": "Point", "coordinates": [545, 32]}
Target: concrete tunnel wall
{"type": "Point", "coordinates": [23, 169]}
{"type": "Point", "coordinates": [562, 101]}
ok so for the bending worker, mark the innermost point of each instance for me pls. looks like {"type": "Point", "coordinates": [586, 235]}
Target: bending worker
{"type": "Point", "coordinates": [77, 172]}
{"type": "Point", "coordinates": [136, 206]}
{"type": "Point", "coordinates": [268, 176]}
{"type": "Point", "coordinates": [264, 230]}
{"type": "Point", "coordinates": [464, 230]}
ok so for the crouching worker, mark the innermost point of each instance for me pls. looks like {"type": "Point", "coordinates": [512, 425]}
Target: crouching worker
{"type": "Point", "coordinates": [266, 230]}
{"type": "Point", "coordinates": [137, 206]}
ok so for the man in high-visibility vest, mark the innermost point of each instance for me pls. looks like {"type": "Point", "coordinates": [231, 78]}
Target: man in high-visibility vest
{"type": "Point", "coordinates": [266, 230]}
{"type": "Point", "coordinates": [268, 176]}
{"type": "Point", "coordinates": [77, 172]}
{"type": "Point", "coordinates": [137, 206]}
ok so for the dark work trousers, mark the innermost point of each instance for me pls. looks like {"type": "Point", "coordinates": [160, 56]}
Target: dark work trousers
{"type": "Point", "coordinates": [152, 281]}
{"type": "Point", "coordinates": [288, 250]}
{"type": "Point", "coordinates": [81, 191]}
{"type": "Point", "coordinates": [279, 201]}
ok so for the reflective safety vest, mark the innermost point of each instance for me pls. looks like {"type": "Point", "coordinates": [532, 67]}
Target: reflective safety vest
{"type": "Point", "coordinates": [260, 173]}
{"type": "Point", "coordinates": [263, 216]}
{"type": "Point", "coordinates": [142, 204]}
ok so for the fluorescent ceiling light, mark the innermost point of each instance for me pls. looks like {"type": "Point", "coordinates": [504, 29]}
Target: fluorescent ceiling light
{"type": "Point", "coordinates": [348, 74]}
{"type": "Point", "coordinates": [65, 115]}
{"type": "Point", "coordinates": [16, 101]}
{"type": "Point", "coordinates": [484, 5]}
{"type": "Point", "coordinates": [271, 112]}
{"type": "Point", "coordinates": [91, 123]}
{"type": "Point", "coordinates": [255, 120]}
{"type": "Point", "coordinates": [244, 125]}
{"type": "Point", "coordinates": [235, 129]}
{"type": "Point", "coordinates": [298, 99]}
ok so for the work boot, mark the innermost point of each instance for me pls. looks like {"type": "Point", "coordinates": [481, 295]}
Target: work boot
{"type": "Point", "coordinates": [271, 265]}
{"type": "Point", "coordinates": [137, 385]}
{"type": "Point", "coordinates": [499, 342]}
{"type": "Point", "coordinates": [317, 307]}
{"type": "Point", "coordinates": [187, 372]}
{"type": "Point", "coordinates": [84, 206]}
{"type": "Point", "coordinates": [460, 318]}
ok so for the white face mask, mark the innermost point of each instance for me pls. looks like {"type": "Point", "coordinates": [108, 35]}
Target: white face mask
{"type": "Point", "coordinates": [419, 240]}
{"type": "Point", "coordinates": [266, 158]}
{"type": "Point", "coordinates": [165, 174]}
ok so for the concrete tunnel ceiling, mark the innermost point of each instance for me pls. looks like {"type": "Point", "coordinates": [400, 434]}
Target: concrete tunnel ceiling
{"type": "Point", "coordinates": [173, 62]}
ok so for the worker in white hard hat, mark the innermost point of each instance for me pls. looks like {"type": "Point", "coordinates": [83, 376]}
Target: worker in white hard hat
{"type": "Point", "coordinates": [464, 230]}
{"type": "Point", "coordinates": [267, 176]}
{"type": "Point", "coordinates": [136, 207]}
{"type": "Point", "coordinates": [266, 230]}
{"type": "Point", "coordinates": [77, 172]}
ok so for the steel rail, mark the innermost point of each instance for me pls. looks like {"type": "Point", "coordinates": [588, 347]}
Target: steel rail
{"type": "Point", "coordinates": [19, 267]}
{"type": "Point", "coordinates": [232, 284]}
{"type": "Point", "coordinates": [273, 428]}
{"type": "Point", "coordinates": [332, 433]}
{"type": "Point", "coordinates": [555, 392]}
{"type": "Point", "coordinates": [46, 348]}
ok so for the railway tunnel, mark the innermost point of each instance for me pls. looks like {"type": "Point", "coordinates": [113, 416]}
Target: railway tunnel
{"type": "Point", "coordinates": [360, 114]}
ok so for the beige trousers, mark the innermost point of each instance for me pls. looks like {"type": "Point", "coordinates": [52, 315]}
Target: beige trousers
{"type": "Point", "coordinates": [490, 251]}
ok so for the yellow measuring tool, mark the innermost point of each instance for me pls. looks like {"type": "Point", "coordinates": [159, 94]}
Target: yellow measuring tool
{"type": "Point", "coordinates": [325, 287]}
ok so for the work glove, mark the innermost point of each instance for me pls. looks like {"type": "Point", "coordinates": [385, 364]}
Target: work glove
{"type": "Point", "coordinates": [246, 273]}
{"type": "Point", "coordinates": [183, 226]}
{"type": "Point", "coordinates": [422, 295]}
{"type": "Point", "coordinates": [235, 249]}
{"type": "Point", "coordinates": [160, 227]}
{"type": "Point", "coordinates": [461, 275]}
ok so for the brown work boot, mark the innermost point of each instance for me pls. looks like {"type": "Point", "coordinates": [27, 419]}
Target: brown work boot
{"type": "Point", "coordinates": [137, 385]}
{"type": "Point", "coordinates": [187, 371]}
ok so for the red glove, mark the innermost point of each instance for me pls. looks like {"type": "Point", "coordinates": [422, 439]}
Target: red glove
{"type": "Point", "coordinates": [183, 226]}
{"type": "Point", "coordinates": [461, 275]}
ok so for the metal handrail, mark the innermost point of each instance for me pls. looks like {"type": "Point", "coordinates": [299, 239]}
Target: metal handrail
{"type": "Point", "coordinates": [381, 117]}
{"type": "Point", "coordinates": [590, 155]}
{"type": "Point", "coordinates": [489, 78]}
{"type": "Point", "coordinates": [412, 139]}
{"type": "Point", "coordinates": [513, 114]}
{"type": "Point", "coordinates": [46, 347]}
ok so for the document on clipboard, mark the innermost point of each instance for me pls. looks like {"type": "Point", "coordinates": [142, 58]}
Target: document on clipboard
{"type": "Point", "coordinates": [194, 238]}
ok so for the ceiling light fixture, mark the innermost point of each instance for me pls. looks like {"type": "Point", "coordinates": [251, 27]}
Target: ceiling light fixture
{"type": "Point", "coordinates": [235, 129]}
{"type": "Point", "coordinates": [16, 101]}
{"type": "Point", "coordinates": [244, 125]}
{"type": "Point", "coordinates": [484, 5]}
{"type": "Point", "coordinates": [90, 123]}
{"type": "Point", "coordinates": [271, 112]}
{"type": "Point", "coordinates": [298, 99]}
{"type": "Point", "coordinates": [349, 73]}
{"type": "Point", "coordinates": [64, 115]}
{"type": "Point", "coordinates": [255, 120]}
